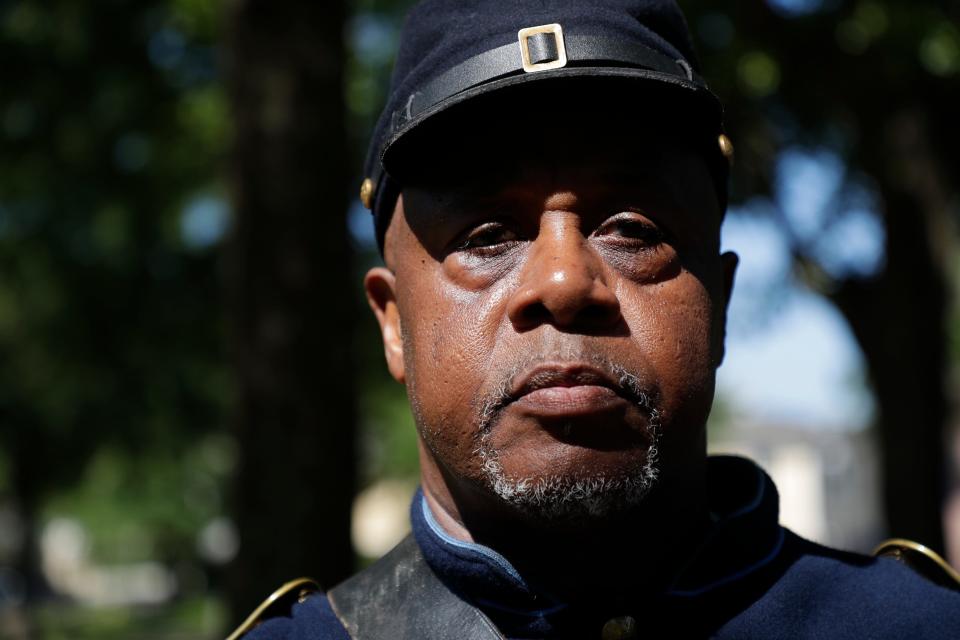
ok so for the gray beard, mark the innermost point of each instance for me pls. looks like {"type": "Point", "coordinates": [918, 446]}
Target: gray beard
{"type": "Point", "coordinates": [574, 498]}
{"type": "Point", "coordinates": [571, 497]}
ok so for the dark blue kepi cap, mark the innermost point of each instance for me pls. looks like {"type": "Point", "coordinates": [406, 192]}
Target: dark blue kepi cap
{"type": "Point", "coordinates": [454, 52]}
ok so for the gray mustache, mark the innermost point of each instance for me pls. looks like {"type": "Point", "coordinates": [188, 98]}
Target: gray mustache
{"type": "Point", "coordinates": [631, 386]}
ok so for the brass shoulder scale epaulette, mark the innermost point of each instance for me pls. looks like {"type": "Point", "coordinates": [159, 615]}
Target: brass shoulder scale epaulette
{"type": "Point", "coordinates": [921, 559]}
{"type": "Point", "coordinates": [279, 602]}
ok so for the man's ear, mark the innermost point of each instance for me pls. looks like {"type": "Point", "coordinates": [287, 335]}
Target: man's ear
{"type": "Point", "coordinates": [728, 267]}
{"type": "Point", "coordinates": [380, 285]}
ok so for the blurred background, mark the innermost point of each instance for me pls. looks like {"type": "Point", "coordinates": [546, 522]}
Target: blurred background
{"type": "Point", "coordinates": [193, 402]}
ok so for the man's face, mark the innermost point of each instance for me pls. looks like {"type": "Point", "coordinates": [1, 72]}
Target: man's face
{"type": "Point", "coordinates": [558, 322]}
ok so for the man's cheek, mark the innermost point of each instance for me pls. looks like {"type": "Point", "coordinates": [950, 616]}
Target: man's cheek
{"type": "Point", "coordinates": [674, 325]}
{"type": "Point", "coordinates": [466, 329]}
{"type": "Point", "coordinates": [447, 360]}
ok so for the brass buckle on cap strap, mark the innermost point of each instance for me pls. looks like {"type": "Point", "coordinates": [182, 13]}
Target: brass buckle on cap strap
{"type": "Point", "coordinates": [541, 52]}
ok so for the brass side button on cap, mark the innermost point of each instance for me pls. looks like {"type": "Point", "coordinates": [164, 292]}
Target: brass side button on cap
{"type": "Point", "coordinates": [366, 193]}
{"type": "Point", "coordinates": [622, 628]}
{"type": "Point", "coordinates": [726, 147]}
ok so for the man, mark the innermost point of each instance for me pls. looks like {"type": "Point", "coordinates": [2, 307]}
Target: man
{"type": "Point", "coordinates": [548, 182]}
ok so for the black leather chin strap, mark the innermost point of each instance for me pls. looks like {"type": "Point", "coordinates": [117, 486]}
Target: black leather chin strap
{"type": "Point", "coordinates": [503, 61]}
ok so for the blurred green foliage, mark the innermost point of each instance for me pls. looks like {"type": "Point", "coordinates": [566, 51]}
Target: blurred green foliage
{"type": "Point", "coordinates": [113, 129]}
{"type": "Point", "coordinates": [150, 507]}
{"type": "Point", "coordinates": [114, 133]}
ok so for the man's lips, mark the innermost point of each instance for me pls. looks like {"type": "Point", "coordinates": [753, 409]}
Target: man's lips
{"type": "Point", "coordinates": [566, 390]}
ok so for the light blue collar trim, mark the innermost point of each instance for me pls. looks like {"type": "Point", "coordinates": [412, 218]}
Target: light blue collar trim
{"type": "Point", "coordinates": [502, 563]}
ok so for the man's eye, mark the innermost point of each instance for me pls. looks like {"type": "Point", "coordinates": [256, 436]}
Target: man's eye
{"type": "Point", "coordinates": [633, 229]}
{"type": "Point", "coordinates": [488, 235]}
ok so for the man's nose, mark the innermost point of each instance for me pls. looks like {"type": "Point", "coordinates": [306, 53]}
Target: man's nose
{"type": "Point", "coordinates": [563, 284]}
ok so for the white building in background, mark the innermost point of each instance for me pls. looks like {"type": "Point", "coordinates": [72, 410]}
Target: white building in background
{"type": "Point", "coordinates": [829, 481]}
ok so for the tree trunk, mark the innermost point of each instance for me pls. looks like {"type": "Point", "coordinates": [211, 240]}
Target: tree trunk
{"type": "Point", "coordinates": [289, 281]}
{"type": "Point", "coordinates": [899, 318]}
{"type": "Point", "coordinates": [905, 352]}
{"type": "Point", "coordinates": [26, 486]}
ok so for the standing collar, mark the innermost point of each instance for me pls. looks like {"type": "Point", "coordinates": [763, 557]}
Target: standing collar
{"type": "Point", "coordinates": [744, 538]}
{"type": "Point", "coordinates": [746, 534]}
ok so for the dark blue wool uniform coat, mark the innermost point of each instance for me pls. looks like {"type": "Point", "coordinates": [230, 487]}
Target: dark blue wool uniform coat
{"type": "Point", "coordinates": [753, 579]}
